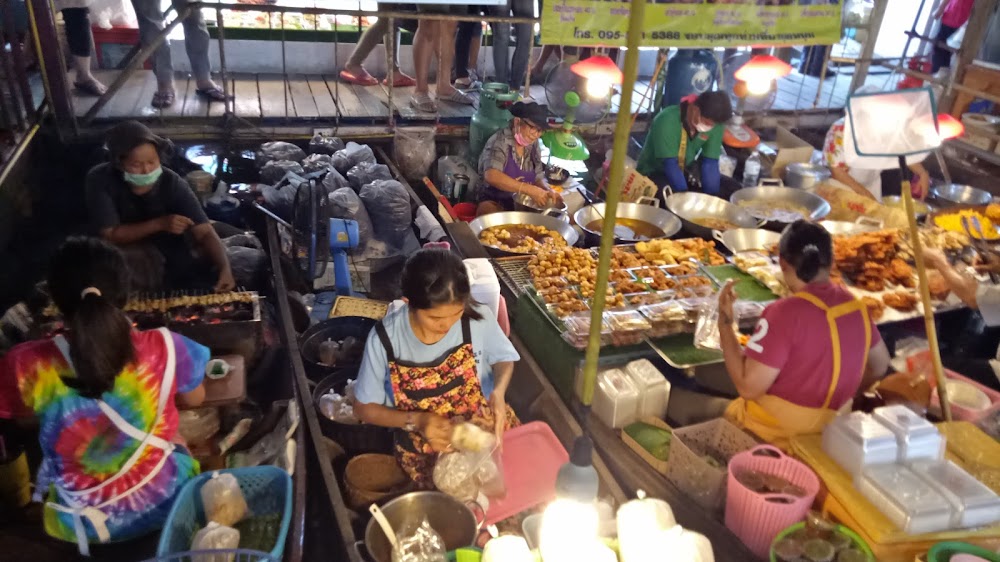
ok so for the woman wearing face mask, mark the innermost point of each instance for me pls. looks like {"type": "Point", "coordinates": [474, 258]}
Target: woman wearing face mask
{"type": "Point", "coordinates": [511, 162]}
{"type": "Point", "coordinates": [685, 133]}
{"type": "Point", "coordinates": [811, 352]}
{"type": "Point", "coordinates": [439, 359]}
{"type": "Point", "coordinates": [136, 203]}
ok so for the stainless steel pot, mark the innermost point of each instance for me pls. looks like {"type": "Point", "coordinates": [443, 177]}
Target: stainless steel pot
{"type": "Point", "coordinates": [816, 206]}
{"type": "Point", "coordinates": [452, 519]}
{"type": "Point", "coordinates": [647, 211]}
{"type": "Point", "coordinates": [895, 201]}
{"type": "Point", "coordinates": [523, 202]}
{"type": "Point", "coordinates": [958, 194]}
{"type": "Point", "coordinates": [690, 206]}
{"type": "Point", "coordinates": [845, 228]}
{"type": "Point", "coordinates": [802, 175]}
{"type": "Point", "coordinates": [748, 239]}
{"type": "Point", "coordinates": [551, 220]}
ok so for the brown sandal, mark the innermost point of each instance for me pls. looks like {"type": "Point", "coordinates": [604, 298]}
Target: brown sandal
{"type": "Point", "coordinates": [162, 100]}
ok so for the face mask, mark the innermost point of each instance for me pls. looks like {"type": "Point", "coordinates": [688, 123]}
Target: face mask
{"type": "Point", "coordinates": [520, 140]}
{"type": "Point", "coordinates": [142, 180]}
{"type": "Point", "coordinates": [703, 128]}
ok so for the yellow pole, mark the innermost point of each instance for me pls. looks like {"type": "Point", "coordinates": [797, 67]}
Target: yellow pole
{"type": "Point", "coordinates": [616, 171]}
{"type": "Point", "coordinates": [925, 294]}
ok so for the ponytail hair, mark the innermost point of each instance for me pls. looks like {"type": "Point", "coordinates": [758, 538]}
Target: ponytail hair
{"type": "Point", "coordinates": [807, 247]}
{"type": "Point", "coordinates": [89, 283]}
{"type": "Point", "coordinates": [434, 277]}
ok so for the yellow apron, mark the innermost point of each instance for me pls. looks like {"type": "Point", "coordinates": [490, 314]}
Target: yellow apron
{"type": "Point", "coordinates": [777, 420]}
{"type": "Point", "coordinates": [683, 150]}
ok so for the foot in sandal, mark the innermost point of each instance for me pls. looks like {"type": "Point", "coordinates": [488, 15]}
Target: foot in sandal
{"type": "Point", "coordinates": [422, 102]}
{"type": "Point", "coordinates": [163, 99]}
{"type": "Point", "coordinates": [357, 75]}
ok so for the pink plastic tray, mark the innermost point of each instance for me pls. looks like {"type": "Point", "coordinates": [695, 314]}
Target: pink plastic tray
{"type": "Point", "coordinates": [531, 459]}
{"type": "Point", "coordinates": [957, 411]}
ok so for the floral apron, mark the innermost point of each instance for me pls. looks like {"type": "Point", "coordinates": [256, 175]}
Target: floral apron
{"type": "Point", "coordinates": [777, 420]}
{"type": "Point", "coordinates": [515, 170]}
{"type": "Point", "coordinates": [448, 387]}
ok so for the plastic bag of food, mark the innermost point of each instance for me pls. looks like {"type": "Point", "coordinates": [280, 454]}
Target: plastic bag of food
{"type": "Point", "coordinates": [414, 152]}
{"type": "Point", "coordinates": [422, 544]}
{"type": "Point", "coordinates": [275, 170]}
{"type": "Point", "coordinates": [322, 144]}
{"type": "Point", "coordinates": [333, 180]}
{"type": "Point", "coordinates": [388, 205]}
{"type": "Point", "coordinates": [224, 502]}
{"type": "Point", "coordinates": [198, 426]}
{"type": "Point", "coordinates": [346, 204]}
{"type": "Point", "coordinates": [215, 537]}
{"type": "Point", "coordinates": [317, 163]}
{"type": "Point", "coordinates": [352, 155]}
{"type": "Point", "coordinates": [706, 332]}
{"type": "Point", "coordinates": [278, 150]}
{"type": "Point", "coordinates": [367, 172]}
{"type": "Point", "coordinates": [465, 474]}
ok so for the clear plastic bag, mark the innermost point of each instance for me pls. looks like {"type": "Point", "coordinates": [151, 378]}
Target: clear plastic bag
{"type": "Point", "coordinates": [322, 144]}
{"type": "Point", "coordinates": [346, 204]}
{"type": "Point", "coordinates": [422, 544]}
{"type": "Point", "coordinates": [275, 170]}
{"type": "Point", "coordinates": [277, 150]}
{"type": "Point", "coordinates": [415, 151]}
{"type": "Point", "coordinates": [352, 155]}
{"type": "Point", "coordinates": [198, 426]}
{"type": "Point", "coordinates": [367, 172]}
{"type": "Point", "coordinates": [706, 332]}
{"type": "Point", "coordinates": [465, 474]}
{"type": "Point", "coordinates": [388, 205]}
{"type": "Point", "coordinates": [215, 537]}
{"type": "Point", "coordinates": [317, 163]}
{"type": "Point", "coordinates": [224, 502]}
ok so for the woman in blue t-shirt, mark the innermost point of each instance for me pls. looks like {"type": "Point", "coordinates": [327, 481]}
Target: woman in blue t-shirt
{"type": "Point", "coordinates": [438, 359]}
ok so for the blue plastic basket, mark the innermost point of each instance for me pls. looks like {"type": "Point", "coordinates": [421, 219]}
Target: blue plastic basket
{"type": "Point", "coordinates": [267, 489]}
{"type": "Point", "coordinates": [227, 555]}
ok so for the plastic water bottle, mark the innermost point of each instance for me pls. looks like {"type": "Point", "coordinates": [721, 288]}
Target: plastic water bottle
{"type": "Point", "coordinates": [751, 170]}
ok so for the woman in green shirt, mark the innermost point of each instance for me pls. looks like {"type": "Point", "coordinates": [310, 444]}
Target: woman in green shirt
{"type": "Point", "coordinates": [680, 135]}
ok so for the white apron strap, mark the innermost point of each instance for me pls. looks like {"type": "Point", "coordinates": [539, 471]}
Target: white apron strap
{"type": "Point", "coordinates": [93, 514]}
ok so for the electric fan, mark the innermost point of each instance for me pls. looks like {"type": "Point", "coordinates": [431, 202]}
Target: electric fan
{"type": "Point", "coordinates": [575, 100]}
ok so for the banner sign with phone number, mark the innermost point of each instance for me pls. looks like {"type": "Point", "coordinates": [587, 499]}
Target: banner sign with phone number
{"type": "Point", "coordinates": [685, 24]}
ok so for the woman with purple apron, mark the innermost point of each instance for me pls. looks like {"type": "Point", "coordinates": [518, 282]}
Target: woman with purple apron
{"type": "Point", "coordinates": [511, 162]}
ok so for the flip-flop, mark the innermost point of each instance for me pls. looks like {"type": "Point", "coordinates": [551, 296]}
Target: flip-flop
{"type": "Point", "coordinates": [212, 94]}
{"type": "Point", "coordinates": [460, 97]}
{"type": "Point", "coordinates": [359, 79]}
{"type": "Point", "coordinates": [163, 100]}
{"type": "Point", "coordinates": [91, 88]}
{"type": "Point", "coordinates": [403, 82]}
{"type": "Point", "coordinates": [468, 84]}
{"type": "Point", "coordinates": [423, 103]}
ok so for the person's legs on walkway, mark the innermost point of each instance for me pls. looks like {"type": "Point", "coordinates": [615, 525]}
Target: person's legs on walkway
{"type": "Point", "coordinates": [79, 37]}
{"type": "Point", "coordinates": [446, 57]}
{"type": "Point", "coordinates": [150, 18]}
{"type": "Point", "coordinates": [525, 42]}
{"type": "Point", "coordinates": [424, 45]}
{"type": "Point", "coordinates": [941, 58]}
{"type": "Point", "coordinates": [196, 43]}
{"type": "Point", "coordinates": [501, 44]}
{"type": "Point", "coordinates": [354, 72]}
{"type": "Point", "coordinates": [467, 39]}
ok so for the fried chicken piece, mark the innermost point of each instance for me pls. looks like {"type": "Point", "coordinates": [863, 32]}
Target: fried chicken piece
{"type": "Point", "coordinates": [901, 273]}
{"type": "Point", "coordinates": [875, 308]}
{"type": "Point", "coordinates": [901, 300]}
{"type": "Point", "coordinates": [937, 285]}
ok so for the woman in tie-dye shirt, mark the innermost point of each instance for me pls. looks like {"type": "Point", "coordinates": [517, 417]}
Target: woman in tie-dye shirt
{"type": "Point", "coordinates": [105, 398]}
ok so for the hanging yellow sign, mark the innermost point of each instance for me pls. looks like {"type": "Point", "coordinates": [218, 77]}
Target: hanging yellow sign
{"type": "Point", "coordinates": [686, 24]}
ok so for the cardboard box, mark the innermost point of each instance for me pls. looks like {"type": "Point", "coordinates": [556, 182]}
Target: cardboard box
{"type": "Point", "coordinates": [790, 149]}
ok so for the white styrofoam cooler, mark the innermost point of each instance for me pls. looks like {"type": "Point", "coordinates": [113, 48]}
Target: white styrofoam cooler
{"type": "Point", "coordinates": [856, 440]}
{"type": "Point", "coordinates": [484, 283]}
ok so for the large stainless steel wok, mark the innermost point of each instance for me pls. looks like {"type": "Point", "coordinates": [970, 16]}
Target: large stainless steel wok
{"type": "Point", "coordinates": [690, 206]}
{"type": "Point", "coordinates": [558, 223]}
{"type": "Point", "coordinates": [647, 211]}
{"type": "Point", "coordinates": [816, 206]}
{"type": "Point", "coordinates": [748, 239]}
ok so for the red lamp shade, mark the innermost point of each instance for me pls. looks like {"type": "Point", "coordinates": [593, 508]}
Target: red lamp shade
{"type": "Point", "coordinates": [949, 127]}
{"type": "Point", "coordinates": [763, 68]}
{"type": "Point", "coordinates": [598, 67]}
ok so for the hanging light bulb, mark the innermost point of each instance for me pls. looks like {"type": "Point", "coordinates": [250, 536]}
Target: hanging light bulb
{"type": "Point", "coordinates": [949, 127]}
{"type": "Point", "coordinates": [598, 67]}
{"type": "Point", "coordinates": [760, 71]}
{"type": "Point", "coordinates": [598, 87]}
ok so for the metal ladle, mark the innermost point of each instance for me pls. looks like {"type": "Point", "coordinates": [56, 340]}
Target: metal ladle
{"type": "Point", "coordinates": [386, 527]}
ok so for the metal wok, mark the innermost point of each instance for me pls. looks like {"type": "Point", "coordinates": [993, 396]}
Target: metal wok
{"type": "Point", "coordinates": [816, 207]}
{"type": "Point", "coordinates": [646, 211]}
{"type": "Point", "coordinates": [748, 239]}
{"type": "Point", "coordinates": [559, 223]}
{"type": "Point", "coordinates": [689, 206]}
{"type": "Point", "coordinates": [845, 228]}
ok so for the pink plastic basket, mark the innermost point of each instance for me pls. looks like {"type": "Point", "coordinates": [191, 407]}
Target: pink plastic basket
{"type": "Point", "coordinates": [757, 518]}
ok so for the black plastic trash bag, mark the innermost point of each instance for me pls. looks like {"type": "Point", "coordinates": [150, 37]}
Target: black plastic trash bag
{"type": "Point", "coordinates": [367, 172]}
{"type": "Point", "coordinates": [388, 205]}
{"type": "Point", "coordinates": [334, 181]}
{"type": "Point", "coordinates": [245, 240]}
{"type": "Point", "coordinates": [249, 266]}
{"type": "Point", "coordinates": [351, 156]}
{"type": "Point", "coordinates": [322, 144]}
{"type": "Point", "coordinates": [278, 150]}
{"type": "Point", "coordinates": [345, 204]}
{"type": "Point", "coordinates": [316, 163]}
{"type": "Point", "coordinates": [273, 171]}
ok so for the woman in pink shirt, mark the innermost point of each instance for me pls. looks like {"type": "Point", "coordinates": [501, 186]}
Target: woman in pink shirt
{"type": "Point", "coordinates": [810, 353]}
{"type": "Point", "coordinates": [953, 15]}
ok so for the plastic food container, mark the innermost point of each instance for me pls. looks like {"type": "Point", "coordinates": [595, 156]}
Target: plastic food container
{"type": "Point", "coordinates": [616, 399]}
{"type": "Point", "coordinates": [578, 330]}
{"type": "Point", "coordinates": [917, 438]}
{"type": "Point", "coordinates": [906, 499]}
{"type": "Point", "coordinates": [627, 327]}
{"type": "Point", "coordinates": [667, 318]}
{"type": "Point", "coordinates": [747, 260]}
{"type": "Point", "coordinates": [698, 457]}
{"type": "Point", "coordinates": [856, 440]}
{"type": "Point", "coordinates": [654, 388]}
{"type": "Point", "coordinates": [975, 504]}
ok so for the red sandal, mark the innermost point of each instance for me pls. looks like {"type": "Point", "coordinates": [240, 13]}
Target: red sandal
{"type": "Point", "coordinates": [361, 79]}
